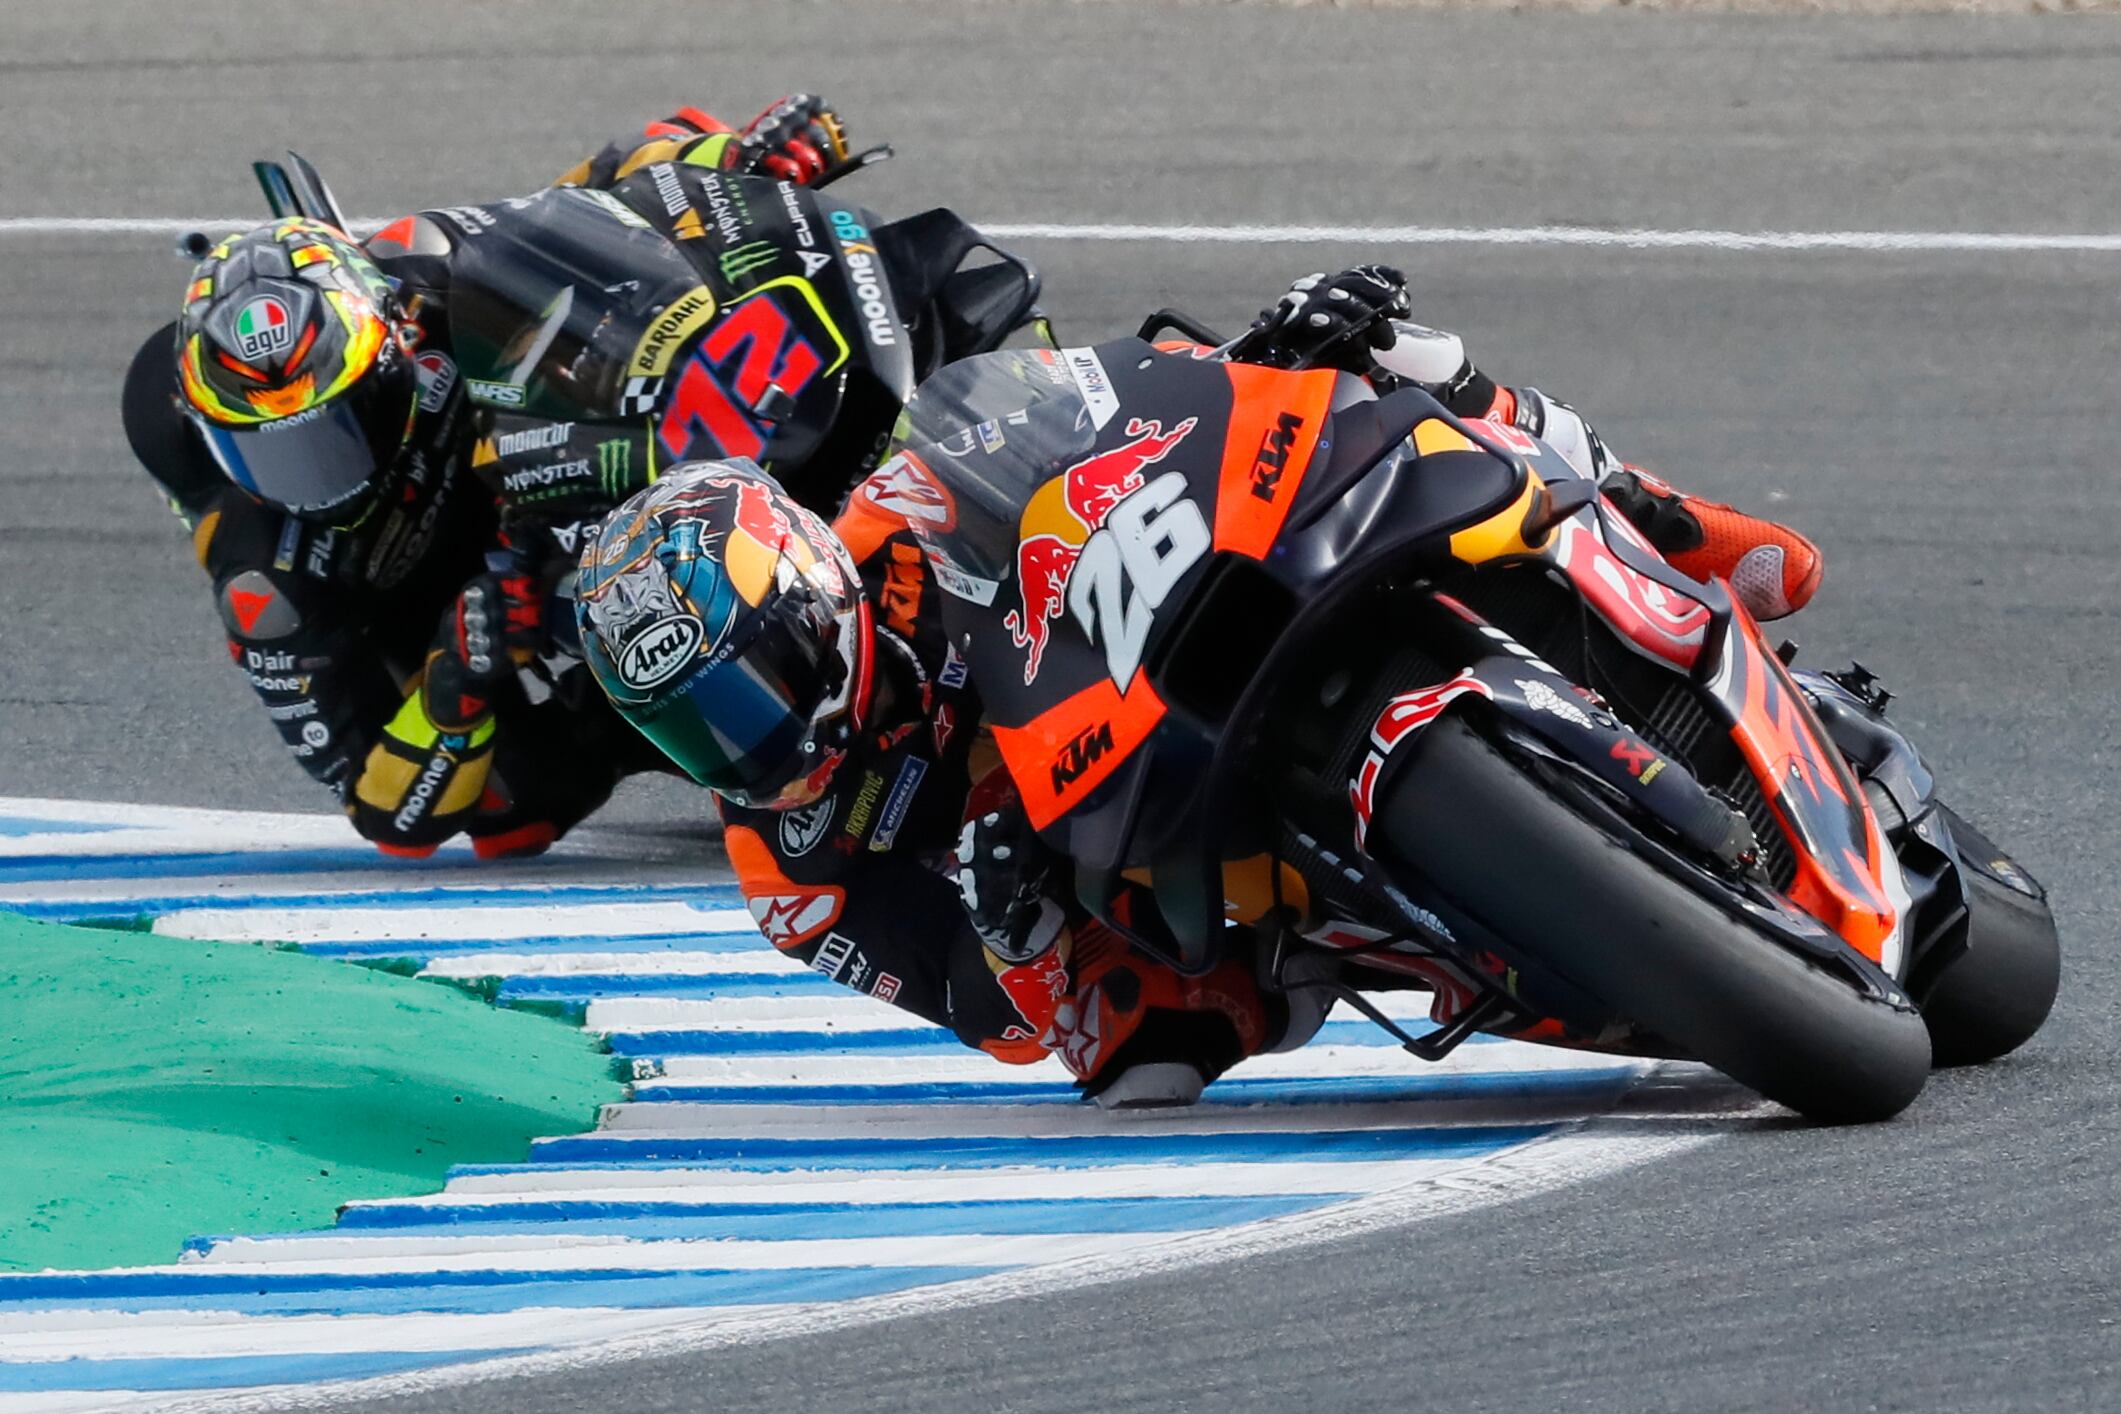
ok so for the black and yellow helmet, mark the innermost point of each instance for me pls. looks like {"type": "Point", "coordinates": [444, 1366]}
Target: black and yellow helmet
{"type": "Point", "coordinates": [293, 358]}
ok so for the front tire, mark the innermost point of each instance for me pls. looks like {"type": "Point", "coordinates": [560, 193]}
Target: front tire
{"type": "Point", "coordinates": [1532, 870]}
{"type": "Point", "coordinates": [1989, 1002]}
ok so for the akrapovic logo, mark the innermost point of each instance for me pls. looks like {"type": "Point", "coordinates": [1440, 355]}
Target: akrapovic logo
{"type": "Point", "coordinates": [867, 277]}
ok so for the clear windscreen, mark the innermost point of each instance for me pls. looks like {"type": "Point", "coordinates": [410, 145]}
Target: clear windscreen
{"type": "Point", "coordinates": [560, 297]}
{"type": "Point", "coordinates": [994, 430]}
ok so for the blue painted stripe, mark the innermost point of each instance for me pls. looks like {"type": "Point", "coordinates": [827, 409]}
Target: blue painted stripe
{"type": "Point", "coordinates": [1000, 1151]}
{"type": "Point", "coordinates": [908, 1040]}
{"type": "Point", "coordinates": [700, 895]}
{"type": "Point", "coordinates": [428, 949]}
{"type": "Point", "coordinates": [780, 1221]}
{"type": "Point", "coordinates": [459, 1292]}
{"type": "Point", "coordinates": [1231, 1090]}
{"type": "Point", "coordinates": [38, 825]}
{"type": "Point", "coordinates": [169, 864]}
{"type": "Point", "coordinates": [912, 1041]}
{"type": "Point", "coordinates": [229, 1371]}
{"type": "Point", "coordinates": [796, 981]}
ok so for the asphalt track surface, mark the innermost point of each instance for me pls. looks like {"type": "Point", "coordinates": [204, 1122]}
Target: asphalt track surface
{"type": "Point", "coordinates": [1942, 423]}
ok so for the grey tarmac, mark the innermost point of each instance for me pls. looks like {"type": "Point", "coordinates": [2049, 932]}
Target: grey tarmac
{"type": "Point", "coordinates": [1942, 423]}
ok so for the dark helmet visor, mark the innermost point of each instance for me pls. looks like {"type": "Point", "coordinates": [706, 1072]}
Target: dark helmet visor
{"type": "Point", "coordinates": [739, 725]}
{"type": "Point", "coordinates": [321, 464]}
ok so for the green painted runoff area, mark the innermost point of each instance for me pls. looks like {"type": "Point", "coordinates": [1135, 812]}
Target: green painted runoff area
{"type": "Point", "coordinates": [154, 1088]}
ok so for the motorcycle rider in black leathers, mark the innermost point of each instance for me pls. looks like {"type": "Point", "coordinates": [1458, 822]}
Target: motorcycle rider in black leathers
{"type": "Point", "coordinates": [804, 674]}
{"type": "Point", "coordinates": [306, 418]}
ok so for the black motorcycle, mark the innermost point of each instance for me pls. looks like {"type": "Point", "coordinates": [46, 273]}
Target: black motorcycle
{"type": "Point", "coordinates": [1399, 693]}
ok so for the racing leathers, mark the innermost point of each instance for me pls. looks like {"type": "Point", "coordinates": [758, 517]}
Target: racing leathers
{"type": "Point", "coordinates": [398, 657]}
{"type": "Point", "coordinates": [860, 885]}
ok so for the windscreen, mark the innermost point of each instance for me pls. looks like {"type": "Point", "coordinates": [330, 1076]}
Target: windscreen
{"type": "Point", "coordinates": [558, 301]}
{"type": "Point", "coordinates": [993, 430]}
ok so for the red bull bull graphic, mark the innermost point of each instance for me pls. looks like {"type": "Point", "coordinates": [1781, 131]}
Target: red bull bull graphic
{"type": "Point", "coordinates": [1062, 517]}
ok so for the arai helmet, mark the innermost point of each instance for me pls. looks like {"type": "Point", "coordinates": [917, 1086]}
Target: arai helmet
{"type": "Point", "coordinates": [727, 623]}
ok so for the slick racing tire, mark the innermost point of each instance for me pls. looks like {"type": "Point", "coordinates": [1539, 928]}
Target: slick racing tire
{"type": "Point", "coordinates": [1989, 1001]}
{"type": "Point", "coordinates": [1528, 867]}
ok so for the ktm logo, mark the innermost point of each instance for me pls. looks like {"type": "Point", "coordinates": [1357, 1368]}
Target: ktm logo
{"type": "Point", "coordinates": [1080, 755]}
{"type": "Point", "coordinates": [1273, 457]}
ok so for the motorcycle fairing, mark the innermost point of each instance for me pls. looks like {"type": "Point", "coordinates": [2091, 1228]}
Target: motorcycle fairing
{"type": "Point", "coordinates": [998, 436]}
{"type": "Point", "coordinates": [1847, 876]}
{"type": "Point", "coordinates": [747, 317]}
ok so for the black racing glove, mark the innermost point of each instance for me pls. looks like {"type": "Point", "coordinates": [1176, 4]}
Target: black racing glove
{"type": "Point", "coordinates": [1002, 871]}
{"type": "Point", "coordinates": [1338, 322]}
{"type": "Point", "coordinates": [797, 139]}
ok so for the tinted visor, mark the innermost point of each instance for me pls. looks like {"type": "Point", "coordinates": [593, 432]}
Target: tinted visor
{"type": "Point", "coordinates": [739, 726]}
{"type": "Point", "coordinates": [322, 461]}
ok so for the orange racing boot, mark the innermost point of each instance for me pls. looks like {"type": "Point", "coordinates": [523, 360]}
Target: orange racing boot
{"type": "Point", "coordinates": [1772, 569]}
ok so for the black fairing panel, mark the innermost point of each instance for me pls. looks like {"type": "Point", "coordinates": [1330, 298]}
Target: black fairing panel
{"type": "Point", "coordinates": [998, 431]}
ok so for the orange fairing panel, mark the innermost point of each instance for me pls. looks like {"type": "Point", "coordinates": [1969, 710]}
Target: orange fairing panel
{"type": "Point", "coordinates": [1821, 809]}
{"type": "Point", "coordinates": [1275, 419]}
{"type": "Point", "coordinates": [1066, 752]}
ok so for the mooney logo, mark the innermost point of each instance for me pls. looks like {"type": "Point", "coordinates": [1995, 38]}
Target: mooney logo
{"type": "Point", "coordinates": [867, 278]}
{"type": "Point", "coordinates": [1079, 755]}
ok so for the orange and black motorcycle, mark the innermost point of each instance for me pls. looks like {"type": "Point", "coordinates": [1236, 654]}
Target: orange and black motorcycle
{"type": "Point", "coordinates": [1400, 698]}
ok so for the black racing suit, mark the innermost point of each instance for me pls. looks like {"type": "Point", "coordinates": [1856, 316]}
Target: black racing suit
{"type": "Point", "coordinates": [335, 627]}
{"type": "Point", "coordinates": [855, 886]}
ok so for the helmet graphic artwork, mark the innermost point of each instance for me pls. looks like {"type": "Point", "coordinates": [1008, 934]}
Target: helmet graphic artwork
{"type": "Point", "coordinates": [293, 363]}
{"type": "Point", "coordinates": [727, 623]}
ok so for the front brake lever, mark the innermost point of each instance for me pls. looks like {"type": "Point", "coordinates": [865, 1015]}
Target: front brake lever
{"type": "Point", "coordinates": [869, 158]}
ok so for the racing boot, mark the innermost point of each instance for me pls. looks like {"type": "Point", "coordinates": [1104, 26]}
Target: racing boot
{"type": "Point", "coordinates": [1138, 1035]}
{"type": "Point", "coordinates": [1772, 569]}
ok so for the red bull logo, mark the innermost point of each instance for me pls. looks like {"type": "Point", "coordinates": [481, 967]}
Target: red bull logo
{"type": "Point", "coordinates": [1065, 513]}
{"type": "Point", "coordinates": [1036, 989]}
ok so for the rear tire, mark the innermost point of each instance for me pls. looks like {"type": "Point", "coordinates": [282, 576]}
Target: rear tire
{"type": "Point", "coordinates": [1532, 870]}
{"type": "Point", "coordinates": [1991, 1000]}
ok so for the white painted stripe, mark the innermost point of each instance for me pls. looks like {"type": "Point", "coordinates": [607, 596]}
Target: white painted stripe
{"type": "Point", "coordinates": [1629, 238]}
{"type": "Point", "coordinates": [1633, 238]}
{"type": "Point", "coordinates": [351, 1256]}
{"type": "Point", "coordinates": [623, 964]}
{"type": "Point", "coordinates": [354, 924]}
{"type": "Point", "coordinates": [1311, 1062]}
{"type": "Point", "coordinates": [159, 829]}
{"type": "Point", "coordinates": [1510, 1176]}
{"type": "Point", "coordinates": [854, 1012]}
{"type": "Point", "coordinates": [171, 1334]}
{"type": "Point", "coordinates": [826, 1013]}
{"type": "Point", "coordinates": [560, 1184]}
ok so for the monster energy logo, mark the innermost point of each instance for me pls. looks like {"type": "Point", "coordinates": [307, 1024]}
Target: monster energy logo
{"type": "Point", "coordinates": [615, 466]}
{"type": "Point", "coordinates": [746, 259]}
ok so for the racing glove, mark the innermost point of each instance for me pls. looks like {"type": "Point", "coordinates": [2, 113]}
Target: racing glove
{"type": "Point", "coordinates": [1340, 321]}
{"type": "Point", "coordinates": [797, 139]}
{"type": "Point", "coordinates": [1002, 870]}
